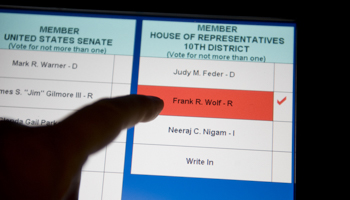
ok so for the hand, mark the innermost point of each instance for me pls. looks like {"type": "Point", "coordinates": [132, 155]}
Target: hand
{"type": "Point", "coordinates": [46, 162]}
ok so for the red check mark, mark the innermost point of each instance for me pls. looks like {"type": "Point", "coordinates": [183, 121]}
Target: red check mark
{"type": "Point", "coordinates": [283, 100]}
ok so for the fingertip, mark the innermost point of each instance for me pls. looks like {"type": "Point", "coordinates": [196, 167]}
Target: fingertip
{"type": "Point", "coordinates": [144, 108]}
{"type": "Point", "coordinates": [158, 105]}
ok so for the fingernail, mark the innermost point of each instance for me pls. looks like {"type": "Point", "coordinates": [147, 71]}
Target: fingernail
{"type": "Point", "coordinates": [158, 101]}
{"type": "Point", "coordinates": [155, 98]}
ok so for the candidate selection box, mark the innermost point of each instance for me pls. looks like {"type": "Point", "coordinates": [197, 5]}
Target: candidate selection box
{"type": "Point", "coordinates": [202, 162]}
{"type": "Point", "coordinates": [206, 132]}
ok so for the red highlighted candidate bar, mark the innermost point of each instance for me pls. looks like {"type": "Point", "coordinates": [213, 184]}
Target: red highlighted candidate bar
{"type": "Point", "coordinates": [214, 103]}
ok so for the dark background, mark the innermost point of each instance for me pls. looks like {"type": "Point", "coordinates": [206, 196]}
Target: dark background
{"type": "Point", "coordinates": [219, 8]}
{"type": "Point", "coordinates": [306, 20]}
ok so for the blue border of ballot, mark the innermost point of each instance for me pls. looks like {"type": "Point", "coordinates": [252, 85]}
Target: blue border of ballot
{"type": "Point", "coordinates": [164, 37]}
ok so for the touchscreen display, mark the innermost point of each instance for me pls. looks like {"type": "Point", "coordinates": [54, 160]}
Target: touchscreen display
{"type": "Point", "coordinates": [227, 127]}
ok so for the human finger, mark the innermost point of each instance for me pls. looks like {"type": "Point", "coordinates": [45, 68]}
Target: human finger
{"type": "Point", "coordinates": [94, 126]}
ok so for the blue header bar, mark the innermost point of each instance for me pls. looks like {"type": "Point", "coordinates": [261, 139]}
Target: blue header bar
{"type": "Point", "coordinates": [213, 41]}
{"type": "Point", "coordinates": [67, 34]}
